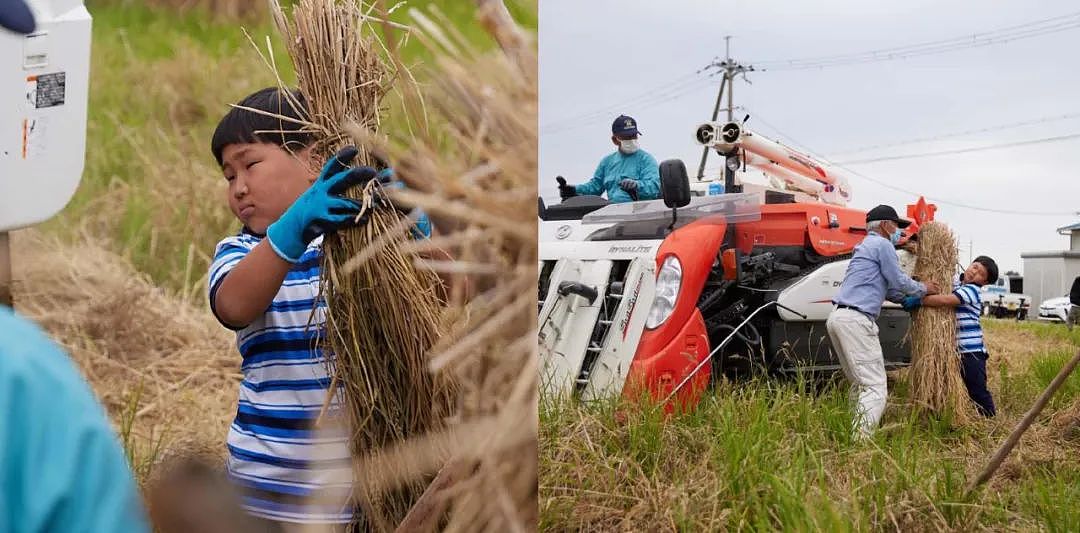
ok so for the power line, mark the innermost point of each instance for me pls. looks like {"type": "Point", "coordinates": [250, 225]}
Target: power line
{"type": "Point", "coordinates": [988, 129]}
{"type": "Point", "coordinates": [607, 113]}
{"type": "Point", "coordinates": [676, 85]}
{"type": "Point", "coordinates": [656, 96]}
{"type": "Point", "coordinates": [757, 117]}
{"type": "Point", "coordinates": [922, 52]}
{"type": "Point", "coordinates": [1002, 35]}
{"type": "Point", "coordinates": [691, 81]}
{"type": "Point", "coordinates": [1031, 29]}
{"type": "Point", "coordinates": [1012, 144]}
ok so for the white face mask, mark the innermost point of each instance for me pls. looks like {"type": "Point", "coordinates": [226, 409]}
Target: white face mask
{"type": "Point", "coordinates": [628, 146]}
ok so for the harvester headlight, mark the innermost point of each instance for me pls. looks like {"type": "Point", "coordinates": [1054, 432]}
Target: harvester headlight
{"type": "Point", "coordinates": [668, 281]}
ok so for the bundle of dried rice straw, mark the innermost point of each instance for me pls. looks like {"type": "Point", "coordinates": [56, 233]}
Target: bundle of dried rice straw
{"type": "Point", "coordinates": [384, 314]}
{"type": "Point", "coordinates": [475, 168]}
{"type": "Point", "coordinates": [934, 375]}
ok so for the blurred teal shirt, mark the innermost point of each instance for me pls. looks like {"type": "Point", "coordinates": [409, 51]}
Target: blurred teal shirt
{"type": "Point", "coordinates": [617, 166]}
{"type": "Point", "coordinates": [61, 466]}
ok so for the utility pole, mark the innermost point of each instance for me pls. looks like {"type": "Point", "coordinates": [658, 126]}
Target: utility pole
{"type": "Point", "coordinates": [731, 69]}
{"type": "Point", "coordinates": [727, 76]}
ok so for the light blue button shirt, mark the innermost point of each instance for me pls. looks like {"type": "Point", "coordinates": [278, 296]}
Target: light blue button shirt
{"type": "Point", "coordinates": [874, 273]}
{"type": "Point", "coordinates": [61, 466]}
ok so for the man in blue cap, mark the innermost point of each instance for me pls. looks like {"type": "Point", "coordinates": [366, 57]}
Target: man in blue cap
{"type": "Point", "coordinates": [626, 175]}
{"type": "Point", "coordinates": [62, 466]}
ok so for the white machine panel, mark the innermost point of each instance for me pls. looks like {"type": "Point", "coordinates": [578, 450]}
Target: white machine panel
{"type": "Point", "coordinates": [44, 85]}
{"type": "Point", "coordinates": [614, 250]}
{"type": "Point", "coordinates": [628, 322]}
{"type": "Point", "coordinates": [567, 322]}
{"type": "Point", "coordinates": [812, 295]}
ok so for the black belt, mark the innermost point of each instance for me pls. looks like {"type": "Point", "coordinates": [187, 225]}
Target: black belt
{"type": "Point", "coordinates": [852, 307]}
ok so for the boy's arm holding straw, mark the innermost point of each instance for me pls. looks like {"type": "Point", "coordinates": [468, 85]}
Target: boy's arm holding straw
{"type": "Point", "coordinates": [961, 295]}
{"type": "Point", "coordinates": [250, 287]}
{"type": "Point", "coordinates": [952, 299]}
{"type": "Point", "coordinates": [941, 300]}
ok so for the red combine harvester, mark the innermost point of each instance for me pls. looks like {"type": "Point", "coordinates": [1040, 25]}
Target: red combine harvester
{"type": "Point", "coordinates": [663, 296]}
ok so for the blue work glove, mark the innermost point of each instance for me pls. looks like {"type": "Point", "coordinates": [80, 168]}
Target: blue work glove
{"type": "Point", "coordinates": [422, 227]}
{"type": "Point", "coordinates": [321, 209]}
{"type": "Point", "coordinates": [911, 303]}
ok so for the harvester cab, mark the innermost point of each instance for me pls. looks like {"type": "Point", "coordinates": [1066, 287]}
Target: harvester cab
{"type": "Point", "coordinates": [662, 297]}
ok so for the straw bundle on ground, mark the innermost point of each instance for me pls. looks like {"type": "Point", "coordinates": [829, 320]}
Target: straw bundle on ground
{"type": "Point", "coordinates": [474, 171]}
{"type": "Point", "coordinates": [164, 369]}
{"type": "Point", "coordinates": [935, 379]}
{"type": "Point", "coordinates": [384, 316]}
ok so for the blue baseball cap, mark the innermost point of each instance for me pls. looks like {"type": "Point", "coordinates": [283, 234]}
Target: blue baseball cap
{"type": "Point", "coordinates": [624, 126]}
{"type": "Point", "coordinates": [15, 15]}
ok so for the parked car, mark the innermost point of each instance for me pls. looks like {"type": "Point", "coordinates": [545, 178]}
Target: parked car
{"type": "Point", "coordinates": [1006, 298]}
{"type": "Point", "coordinates": [1055, 309]}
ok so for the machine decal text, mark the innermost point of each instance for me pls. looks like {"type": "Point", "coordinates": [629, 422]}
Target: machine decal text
{"type": "Point", "coordinates": [629, 249]}
{"type": "Point", "coordinates": [632, 303]}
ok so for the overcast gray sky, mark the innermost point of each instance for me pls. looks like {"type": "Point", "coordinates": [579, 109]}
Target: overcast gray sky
{"type": "Point", "coordinates": [601, 53]}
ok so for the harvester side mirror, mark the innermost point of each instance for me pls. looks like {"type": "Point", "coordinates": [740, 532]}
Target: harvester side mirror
{"type": "Point", "coordinates": [674, 183]}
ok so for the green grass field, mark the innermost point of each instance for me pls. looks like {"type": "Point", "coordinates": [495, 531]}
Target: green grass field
{"type": "Point", "coordinates": [778, 455]}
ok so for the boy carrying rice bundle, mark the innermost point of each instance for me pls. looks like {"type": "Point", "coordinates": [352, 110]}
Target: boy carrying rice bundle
{"type": "Point", "coordinates": [264, 284]}
{"type": "Point", "coordinates": [967, 300]}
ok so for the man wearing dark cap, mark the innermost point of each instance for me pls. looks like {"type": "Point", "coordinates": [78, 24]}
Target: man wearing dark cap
{"type": "Point", "coordinates": [967, 299]}
{"type": "Point", "coordinates": [872, 276]}
{"type": "Point", "coordinates": [626, 175]}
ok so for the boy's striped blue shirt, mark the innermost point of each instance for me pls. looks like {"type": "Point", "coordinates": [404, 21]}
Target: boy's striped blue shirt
{"type": "Point", "coordinates": [969, 336]}
{"type": "Point", "coordinates": [287, 470]}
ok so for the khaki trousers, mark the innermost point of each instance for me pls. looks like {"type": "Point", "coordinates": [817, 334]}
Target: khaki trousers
{"type": "Point", "coordinates": [854, 337]}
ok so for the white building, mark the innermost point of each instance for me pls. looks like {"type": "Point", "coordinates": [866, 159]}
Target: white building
{"type": "Point", "coordinates": [1051, 274]}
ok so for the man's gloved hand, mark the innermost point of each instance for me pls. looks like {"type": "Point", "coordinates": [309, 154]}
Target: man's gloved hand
{"type": "Point", "coordinates": [387, 181]}
{"type": "Point", "coordinates": [422, 227]}
{"type": "Point", "coordinates": [628, 185]}
{"type": "Point", "coordinates": [321, 209]}
{"type": "Point", "coordinates": [911, 303]}
{"type": "Point", "coordinates": [565, 191]}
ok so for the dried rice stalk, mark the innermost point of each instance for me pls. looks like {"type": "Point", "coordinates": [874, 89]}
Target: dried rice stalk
{"type": "Point", "coordinates": [936, 384]}
{"type": "Point", "coordinates": [338, 67]}
{"type": "Point", "coordinates": [384, 316]}
{"type": "Point", "coordinates": [477, 166]}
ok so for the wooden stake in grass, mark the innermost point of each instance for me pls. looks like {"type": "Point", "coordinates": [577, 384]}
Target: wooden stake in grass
{"type": "Point", "coordinates": [1014, 437]}
{"type": "Point", "coordinates": [383, 316]}
{"type": "Point", "coordinates": [936, 385]}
